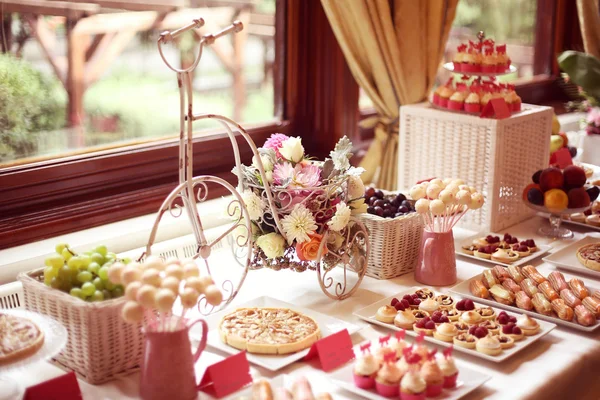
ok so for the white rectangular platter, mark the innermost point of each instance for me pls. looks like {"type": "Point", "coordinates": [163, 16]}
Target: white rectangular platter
{"type": "Point", "coordinates": [468, 381]}
{"type": "Point", "coordinates": [328, 325]}
{"type": "Point", "coordinates": [566, 257]}
{"type": "Point", "coordinates": [462, 289]}
{"type": "Point", "coordinates": [368, 314]}
{"type": "Point", "coordinates": [280, 381]}
{"type": "Point", "coordinates": [542, 249]}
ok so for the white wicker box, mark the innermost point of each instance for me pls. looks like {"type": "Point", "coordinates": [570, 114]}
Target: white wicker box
{"type": "Point", "coordinates": [498, 157]}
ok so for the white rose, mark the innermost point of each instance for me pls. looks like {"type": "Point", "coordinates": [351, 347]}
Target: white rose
{"type": "Point", "coordinates": [272, 244]}
{"type": "Point", "coordinates": [266, 162]}
{"type": "Point", "coordinates": [269, 175]}
{"type": "Point", "coordinates": [356, 187]}
{"type": "Point", "coordinates": [292, 149]}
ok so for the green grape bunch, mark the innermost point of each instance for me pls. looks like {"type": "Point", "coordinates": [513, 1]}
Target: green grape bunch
{"type": "Point", "coordinates": [82, 275]}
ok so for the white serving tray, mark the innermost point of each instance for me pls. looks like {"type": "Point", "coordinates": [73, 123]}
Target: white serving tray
{"type": "Point", "coordinates": [542, 249]}
{"type": "Point", "coordinates": [279, 381]}
{"type": "Point", "coordinates": [568, 221]}
{"type": "Point", "coordinates": [328, 325]}
{"type": "Point", "coordinates": [566, 257]}
{"type": "Point", "coordinates": [462, 289]}
{"type": "Point", "coordinates": [368, 314]}
{"type": "Point", "coordinates": [468, 381]}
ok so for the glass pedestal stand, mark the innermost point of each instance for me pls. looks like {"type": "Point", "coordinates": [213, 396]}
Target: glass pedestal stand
{"type": "Point", "coordinates": [556, 230]}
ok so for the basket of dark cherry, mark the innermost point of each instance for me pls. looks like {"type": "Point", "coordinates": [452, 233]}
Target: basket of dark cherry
{"type": "Point", "coordinates": [395, 231]}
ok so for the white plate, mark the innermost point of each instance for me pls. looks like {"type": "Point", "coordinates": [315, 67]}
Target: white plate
{"type": "Point", "coordinates": [279, 381]}
{"type": "Point", "coordinates": [449, 66]}
{"type": "Point", "coordinates": [468, 381]}
{"type": "Point", "coordinates": [368, 314]}
{"type": "Point", "coordinates": [462, 289]}
{"type": "Point", "coordinates": [328, 325]}
{"type": "Point", "coordinates": [566, 258]}
{"type": "Point", "coordinates": [542, 249]}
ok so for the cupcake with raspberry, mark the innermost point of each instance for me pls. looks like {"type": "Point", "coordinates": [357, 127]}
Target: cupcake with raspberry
{"type": "Point", "coordinates": [433, 376]}
{"type": "Point", "coordinates": [365, 370]}
{"type": "Point", "coordinates": [456, 102]}
{"type": "Point", "coordinates": [388, 378]}
{"type": "Point", "coordinates": [470, 62]}
{"type": "Point", "coordinates": [448, 368]}
{"type": "Point", "coordinates": [458, 59]}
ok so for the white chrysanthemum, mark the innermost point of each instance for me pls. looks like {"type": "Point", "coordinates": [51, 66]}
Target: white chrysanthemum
{"type": "Point", "coordinates": [341, 217]}
{"type": "Point", "coordinates": [299, 224]}
{"type": "Point", "coordinates": [254, 204]}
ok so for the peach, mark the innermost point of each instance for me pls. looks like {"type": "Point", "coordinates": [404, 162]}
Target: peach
{"type": "Point", "coordinates": [574, 176]}
{"type": "Point", "coordinates": [556, 200]}
{"type": "Point", "coordinates": [579, 198]}
{"type": "Point", "coordinates": [551, 178]}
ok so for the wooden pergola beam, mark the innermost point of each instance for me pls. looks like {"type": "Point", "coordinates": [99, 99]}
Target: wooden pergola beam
{"type": "Point", "coordinates": [47, 41]}
{"type": "Point", "coordinates": [137, 5]}
{"type": "Point", "coordinates": [45, 7]}
{"type": "Point", "coordinates": [107, 51]}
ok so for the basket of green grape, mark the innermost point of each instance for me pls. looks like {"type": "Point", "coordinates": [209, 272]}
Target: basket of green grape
{"type": "Point", "coordinates": [74, 289]}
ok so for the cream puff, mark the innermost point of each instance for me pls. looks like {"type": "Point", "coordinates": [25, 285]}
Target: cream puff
{"type": "Point", "coordinates": [528, 325]}
{"type": "Point", "coordinates": [429, 305]}
{"type": "Point", "coordinates": [386, 314]}
{"type": "Point", "coordinates": [445, 332]}
{"type": "Point", "coordinates": [489, 345]}
{"type": "Point", "coordinates": [471, 317]}
{"type": "Point", "coordinates": [405, 319]}
{"type": "Point", "coordinates": [465, 340]}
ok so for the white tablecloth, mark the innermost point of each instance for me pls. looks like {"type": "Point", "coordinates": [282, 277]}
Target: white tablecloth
{"type": "Point", "coordinates": [562, 365]}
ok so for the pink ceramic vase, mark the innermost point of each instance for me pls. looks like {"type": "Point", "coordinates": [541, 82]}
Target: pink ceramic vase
{"type": "Point", "coordinates": [437, 261]}
{"type": "Point", "coordinates": [167, 370]}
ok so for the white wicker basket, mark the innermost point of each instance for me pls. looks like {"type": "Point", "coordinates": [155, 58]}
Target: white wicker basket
{"type": "Point", "coordinates": [100, 346]}
{"type": "Point", "coordinates": [498, 157]}
{"type": "Point", "coordinates": [394, 244]}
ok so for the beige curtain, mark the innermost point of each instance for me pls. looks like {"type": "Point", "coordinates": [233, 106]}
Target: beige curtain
{"type": "Point", "coordinates": [589, 19]}
{"type": "Point", "coordinates": [393, 48]}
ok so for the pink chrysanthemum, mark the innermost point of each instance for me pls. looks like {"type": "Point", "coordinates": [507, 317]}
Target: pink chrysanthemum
{"type": "Point", "coordinates": [300, 177]}
{"type": "Point", "coordinates": [274, 142]}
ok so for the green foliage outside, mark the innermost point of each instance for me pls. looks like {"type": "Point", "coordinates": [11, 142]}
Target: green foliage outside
{"type": "Point", "coordinates": [30, 103]}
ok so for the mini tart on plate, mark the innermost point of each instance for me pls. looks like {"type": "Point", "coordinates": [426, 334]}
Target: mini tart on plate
{"type": "Point", "coordinates": [471, 317]}
{"type": "Point", "coordinates": [528, 325]}
{"type": "Point", "coordinates": [504, 256]}
{"type": "Point", "coordinates": [419, 314]}
{"type": "Point", "coordinates": [506, 342]}
{"type": "Point", "coordinates": [445, 301]}
{"type": "Point", "coordinates": [480, 242]}
{"type": "Point", "coordinates": [429, 305]}
{"type": "Point", "coordinates": [470, 249]}
{"type": "Point", "coordinates": [445, 332]}
{"type": "Point", "coordinates": [593, 220]}
{"type": "Point", "coordinates": [421, 327]}
{"type": "Point", "coordinates": [487, 313]}
{"type": "Point", "coordinates": [386, 314]}
{"type": "Point", "coordinates": [482, 254]}
{"type": "Point", "coordinates": [405, 319]}
{"type": "Point", "coordinates": [424, 294]}
{"type": "Point", "coordinates": [489, 345]}
{"type": "Point", "coordinates": [461, 327]}
{"type": "Point", "coordinates": [453, 314]}
{"type": "Point", "coordinates": [521, 250]}
{"type": "Point", "coordinates": [465, 340]}
{"type": "Point", "coordinates": [491, 326]}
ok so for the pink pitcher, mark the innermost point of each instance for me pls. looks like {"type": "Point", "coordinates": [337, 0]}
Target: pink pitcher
{"type": "Point", "coordinates": [437, 262]}
{"type": "Point", "coordinates": [168, 364]}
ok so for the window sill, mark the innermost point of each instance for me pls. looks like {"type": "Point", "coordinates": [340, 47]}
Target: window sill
{"type": "Point", "coordinates": [119, 237]}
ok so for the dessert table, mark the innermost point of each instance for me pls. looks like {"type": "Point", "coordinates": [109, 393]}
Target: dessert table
{"type": "Point", "coordinates": [562, 364]}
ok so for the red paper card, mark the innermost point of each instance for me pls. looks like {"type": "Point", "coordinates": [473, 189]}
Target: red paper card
{"type": "Point", "coordinates": [333, 350]}
{"type": "Point", "coordinates": [495, 108]}
{"type": "Point", "coordinates": [64, 387]}
{"type": "Point", "coordinates": [562, 157]}
{"type": "Point", "coordinates": [226, 376]}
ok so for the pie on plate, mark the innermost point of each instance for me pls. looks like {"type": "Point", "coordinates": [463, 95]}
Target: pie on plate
{"type": "Point", "coordinates": [589, 256]}
{"type": "Point", "coordinates": [19, 338]}
{"type": "Point", "coordinates": [265, 330]}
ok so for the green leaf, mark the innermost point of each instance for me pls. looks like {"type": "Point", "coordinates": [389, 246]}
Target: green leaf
{"type": "Point", "coordinates": [583, 70]}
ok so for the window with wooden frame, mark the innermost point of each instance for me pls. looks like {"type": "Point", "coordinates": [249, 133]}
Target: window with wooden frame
{"type": "Point", "coordinates": [314, 96]}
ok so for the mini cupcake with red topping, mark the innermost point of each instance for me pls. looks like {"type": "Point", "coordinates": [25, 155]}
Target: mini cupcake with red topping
{"type": "Point", "coordinates": [472, 103]}
{"type": "Point", "coordinates": [388, 377]}
{"type": "Point", "coordinates": [458, 59]}
{"type": "Point", "coordinates": [457, 100]}
{"type": "Point", "coordinates": [488, 63]}
{"type": "Point", "coordinates": [365, 369]}
{"type": "Point", "coordinates": [445, 95]}
{"type": "Point", "coordinates": [438, 91]}
{"type": "Point", "coordinates": [412, 385]}
{"type": "Point", "coordinates": [448, 368]}
{"type": "Point", "coordinates": [433, 376]}
{"type": "Point", "coordinates": [503, 61]}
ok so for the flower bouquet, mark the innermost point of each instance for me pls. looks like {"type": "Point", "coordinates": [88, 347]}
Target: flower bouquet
{"type": "Point", "coordinates": [302, 211]}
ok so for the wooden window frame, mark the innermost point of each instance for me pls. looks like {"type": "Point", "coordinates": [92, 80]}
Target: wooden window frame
{"type": "Point", "coordinates": [315, 98]}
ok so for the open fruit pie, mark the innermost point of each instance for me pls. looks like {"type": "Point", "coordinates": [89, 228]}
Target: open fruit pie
{"type": "Point", "coordinates": [19, 338]}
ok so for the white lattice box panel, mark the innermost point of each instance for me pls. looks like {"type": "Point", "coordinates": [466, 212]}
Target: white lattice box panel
{"type": "Point", "coordinates": [496, 156]}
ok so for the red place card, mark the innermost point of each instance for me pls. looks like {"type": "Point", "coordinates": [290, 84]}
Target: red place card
{"type": "Point", "coordinates": [496, 108]}
{"type": "Point", "coordinates": [226, 376]}
{"type": "Point", "coordinates": [333, 350]}
{"type": "Point", "coordinates": [64, 387]}
{"type": "Point", "coordinates": [562, 157]}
